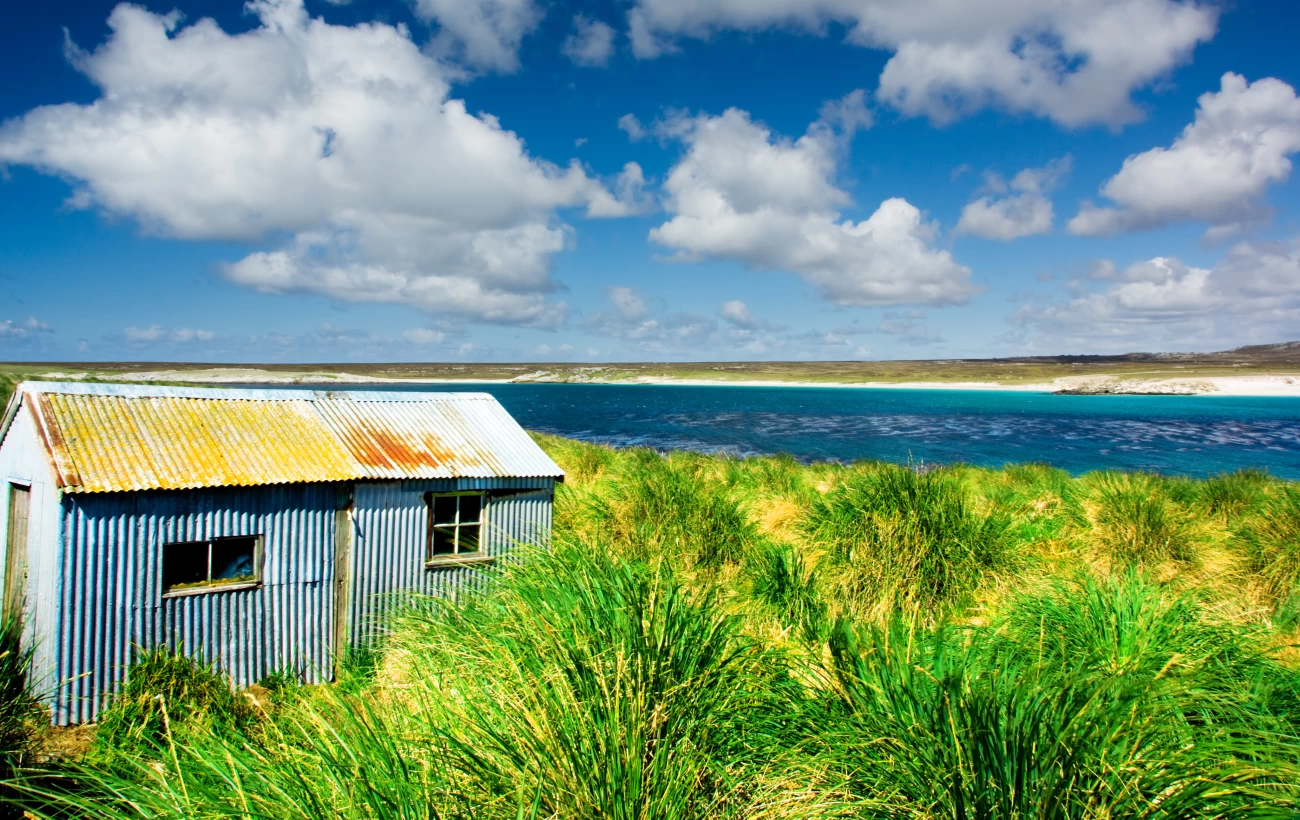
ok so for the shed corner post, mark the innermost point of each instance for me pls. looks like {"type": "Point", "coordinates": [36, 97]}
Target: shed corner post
{"type": "Point", "coordinates": [343, 537]}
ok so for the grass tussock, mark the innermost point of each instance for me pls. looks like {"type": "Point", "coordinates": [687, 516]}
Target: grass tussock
{"type": "Point", "coordinates": [1134, 522]}
{"type": "Point", "coordinates": [1230, 495]}
{"type": "Point", "coordinates": [167, 696]}
{"type": "Point", "coordinates": [1272, 543]}
{"type": "Point", "coordinates": [785, 583]}
{"type": "Point", "coordinates": [908, 541]}
{"type": "Point", "coordinates": [721, 638]}
{"type": "Point", "coordinates": [675, 508]}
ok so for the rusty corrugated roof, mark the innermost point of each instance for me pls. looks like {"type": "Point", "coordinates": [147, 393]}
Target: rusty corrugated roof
{"type": "Point", "coordinates": [104, 438]}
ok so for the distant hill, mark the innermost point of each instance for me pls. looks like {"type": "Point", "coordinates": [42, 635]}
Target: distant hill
{"type": "Point", "coordinates": [1126, 372]}
{"type": "Point", "coordinates": [1285, 353]}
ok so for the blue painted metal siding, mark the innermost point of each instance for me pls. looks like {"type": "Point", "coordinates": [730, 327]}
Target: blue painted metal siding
{"type": "Point", "coordinates": [112, 595]}
{"type": "Point", "coordinates": [388, 551]}
{"type": "Point", "coordinates": [110, 571]}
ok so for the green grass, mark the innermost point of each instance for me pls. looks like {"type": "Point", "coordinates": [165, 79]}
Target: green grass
{"type": "Point", "coordinates": [1272, 542]}
{"type": "Point", "coordinates": [167, 698]}
{"type": "Point", "coordinates": [673, 508]}
{"type": "Point", "coordinates": [908, 541]}
{"type": "Point", "coordinates": [1229, 495]}
{"type": "Point", "coordinates": [1135, 522]}
{"type": "Point", "coordinates": [782, 580]}
{"type": "Point", "coordinates": [941, 724]}
{"type": "Point", "coordinates": [721, 638]}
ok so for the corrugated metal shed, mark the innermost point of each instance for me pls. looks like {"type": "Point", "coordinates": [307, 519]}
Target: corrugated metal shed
{"type": "Point", "coordinates": [105, 438]}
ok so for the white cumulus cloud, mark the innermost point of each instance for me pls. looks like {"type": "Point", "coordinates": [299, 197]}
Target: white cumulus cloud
{"type": "Point", "coordinates": [1251, 295]}
{"type": "Point", "coordinates": [155, 334]}
{"type": "Point", "coordinates": [1074, 62]}
{"type": "Point", "coordinates": [1015, 209]}
{"type": "Point", "coordinates": [627, 302]}
{"type": "Point", "coordinates": [24, 330]}
{"type": "Point", "coordinates": [630, 125]}
{"type": "Point", "coordinates": [1215, 172]}
{"type": "Point", "coordinates": [741, 192]}
{"type": "Point", "coordinates": [737, 314]}
{"type": "Point", "coordinates": [591, 43]}
{"type": "Point", "coordinates": [481, 34]}
{"type": "Point", "coordinates": [346, 139]}
{"type": "Point", "coordinates": [632, 320]}
{"type": "Point", "coordinates": [423, 336]}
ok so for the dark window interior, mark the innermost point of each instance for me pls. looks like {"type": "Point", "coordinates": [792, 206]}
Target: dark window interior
{"type": "Point", "coordinates": [214, 563]}
{"type": "Point", "coordinates": [185, 564]}
{"type": "Point", "coordinates": [232, 559]}
{"type": "Point", "coordinates": [471, 506]}
{"type": "Point", "coordinates": [444, 509]}
{"type": "Point", "coordinates": [444, 541]}
{"type": "Point", "coordinates": [454, 524]}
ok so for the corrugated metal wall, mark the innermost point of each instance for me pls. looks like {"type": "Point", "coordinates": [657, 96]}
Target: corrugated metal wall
{"type": "Point", "coordinates": [111, 575]}
{"type": "Point", "coordinates": [112, 594]}
{"type": "Point", "coordinates": [388, 548]}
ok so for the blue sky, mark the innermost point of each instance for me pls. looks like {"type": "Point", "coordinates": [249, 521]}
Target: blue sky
{"type": "Point", "coordinates": [518, 180]}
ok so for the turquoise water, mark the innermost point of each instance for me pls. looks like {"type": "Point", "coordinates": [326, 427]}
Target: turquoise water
{"type": "Point", "coordinates": [1189, 435]}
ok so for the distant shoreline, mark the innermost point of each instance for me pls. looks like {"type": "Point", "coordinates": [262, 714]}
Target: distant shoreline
{"type": "Point", "coordinates": [1254, 385]}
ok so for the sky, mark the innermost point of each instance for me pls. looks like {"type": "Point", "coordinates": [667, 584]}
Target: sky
{"type": "Point", "coordinates": [645, 180]}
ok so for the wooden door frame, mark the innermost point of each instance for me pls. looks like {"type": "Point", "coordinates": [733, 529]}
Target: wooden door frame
{"type": "Point", "coordinates": [15, 588]}
{"type": "Point", "coordinates": [343, 539]}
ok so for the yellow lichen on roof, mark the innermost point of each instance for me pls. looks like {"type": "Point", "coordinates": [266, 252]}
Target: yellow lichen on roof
{"type": "Point", "coordinates": [115, 443]}
{"type": "Point", "coordinates": [105, 438]}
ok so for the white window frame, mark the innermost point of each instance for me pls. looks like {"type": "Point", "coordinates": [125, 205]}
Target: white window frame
{"type": "Point", "coordinates": [478, 555]}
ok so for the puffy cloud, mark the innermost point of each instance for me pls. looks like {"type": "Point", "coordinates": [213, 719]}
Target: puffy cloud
{"type": "Point", "coordinates": [629, 124]}
{"type": "Point", "coordinates": [22, 331]}
{"type": "Point", "coordinates": [1074, 62]}
{"type": "Point", "coordinates": [848, 114]}
{"type": "Point", "coordinates": [345, 343]}
{"type": "Point", "coordinates": [1015, 209]}
{"type": "Point", "coordinates": [481, 34]}
{"type": "Point", "coordinates": [156, 334]}
{"type": "Point", "coordinates": [737, 314]}
{"type": "Point", "coordinates": [1215, 172]}
{"type": "Point", "coordinates": [349, 337]}
{"type": "Point", "coordinates": [344, 138]}
{"type": "Point", "coordinates": [910, 329]}
{"type": "Point", "coordinates": [423, 336]}
{"type": "Point", "coordinates": [627, 302]}
{"type": "Point", "coordinates": [546, 351]}
{"type": "Point", "coordinates": [1102, 269]}
{"type": "Point", "coordinates": [834, 345]}
{"type": "Point", "coordinates": [632, 320]}
{"type": "Point", "coordinates": [591, 43]}
{"type": "Point", "coordinates": [740, 192]}
{"type": "Point", "coordinates": [1251, 295]}
{"type": "Point", "coordinates": [628, 198]}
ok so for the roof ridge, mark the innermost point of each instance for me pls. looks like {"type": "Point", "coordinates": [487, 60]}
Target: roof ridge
{"type": "Point", "coordinates": [129, 390]}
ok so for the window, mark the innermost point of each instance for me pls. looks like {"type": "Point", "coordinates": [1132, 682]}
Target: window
{"type": "Point", "coordinates": [454, 523]}
{"type": "Point", "coordinates": [201, 565]}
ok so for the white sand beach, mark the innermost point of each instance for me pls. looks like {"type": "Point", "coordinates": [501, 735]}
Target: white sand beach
{"type": "Point", "coordinates": [1244, 385]}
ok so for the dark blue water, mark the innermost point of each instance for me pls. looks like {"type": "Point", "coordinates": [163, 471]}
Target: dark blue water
{"type": "Point", "coordinates": [1190, 435]}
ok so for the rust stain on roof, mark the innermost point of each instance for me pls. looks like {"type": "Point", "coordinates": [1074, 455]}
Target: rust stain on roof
{"type": "Point", "coordinates": [112, 438]}
{"type": "Point", "coordinates": [390, 449]}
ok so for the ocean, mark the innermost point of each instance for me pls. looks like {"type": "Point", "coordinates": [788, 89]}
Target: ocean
{"type": "Point", "coordinates": [1176, 435]}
